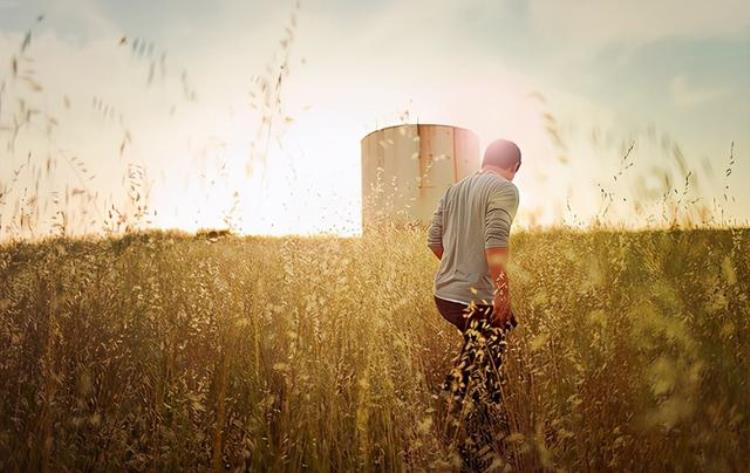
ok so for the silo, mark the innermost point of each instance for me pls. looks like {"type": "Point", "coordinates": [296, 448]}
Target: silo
{"type": "Point", "coordinates": [406, 169]}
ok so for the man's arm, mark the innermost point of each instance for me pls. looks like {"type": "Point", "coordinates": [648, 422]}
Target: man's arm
{"type": "Point", "coordinates": [501, 209]}
{"type": "Point", "coordinates": [497, 258]}
{"type": "Point", "coordinates": [437, 251]}
{"type": "Point", "coordinates": [435, 232]}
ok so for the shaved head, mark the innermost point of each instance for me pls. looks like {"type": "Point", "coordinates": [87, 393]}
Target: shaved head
{"type": "Point", "coordinates": [503, 154]}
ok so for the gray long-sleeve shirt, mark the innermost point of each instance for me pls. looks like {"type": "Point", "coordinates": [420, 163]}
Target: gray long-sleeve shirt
{"type": "Point", "coordinates": [474, 214]}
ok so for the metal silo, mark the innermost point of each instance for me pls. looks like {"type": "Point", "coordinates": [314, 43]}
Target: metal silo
{"type": "Point", "coordinates": [406, 169]}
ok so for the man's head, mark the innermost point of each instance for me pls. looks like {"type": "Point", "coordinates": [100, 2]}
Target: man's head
{"type": "Point", "coordinates": [503, 157]}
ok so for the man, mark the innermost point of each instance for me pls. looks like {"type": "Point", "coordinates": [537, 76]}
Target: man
{"type": "Point", "coordinates": [470, 233]}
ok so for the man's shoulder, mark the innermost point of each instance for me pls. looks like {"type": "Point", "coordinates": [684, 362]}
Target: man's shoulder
{"type": "Point", "coordinates": [499, 183]}
{"type": "Point", "coordinates": [503, 194]}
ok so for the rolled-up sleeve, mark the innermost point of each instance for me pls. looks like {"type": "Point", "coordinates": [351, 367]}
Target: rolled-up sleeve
{"type": "Point", "coordinates": [502, 205]}
{"type": "Point", "coordinates": [435, 232]}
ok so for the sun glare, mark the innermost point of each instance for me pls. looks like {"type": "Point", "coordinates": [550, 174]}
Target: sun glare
{"type": "Point", "coordinates": [304, 180]}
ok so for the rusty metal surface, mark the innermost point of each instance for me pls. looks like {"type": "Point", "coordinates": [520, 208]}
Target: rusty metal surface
{"type": "Point", "coordinates": [406, 168]}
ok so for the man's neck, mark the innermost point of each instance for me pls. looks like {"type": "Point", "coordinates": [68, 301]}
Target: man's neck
{"type": "Point", "coordinates": [496, 172]}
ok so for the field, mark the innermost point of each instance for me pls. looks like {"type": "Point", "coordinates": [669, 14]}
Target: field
{"type": "Point", "coordinates": [167, 352]}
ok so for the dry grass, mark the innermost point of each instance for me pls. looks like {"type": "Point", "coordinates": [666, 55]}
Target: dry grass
{"type": "Point", "coordinates": [162, 352]}
{"type": "Point", "coordinates": [166, 352]}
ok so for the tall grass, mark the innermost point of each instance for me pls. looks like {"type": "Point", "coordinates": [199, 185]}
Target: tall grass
{"type": "Point", "coordinates": [165, 352]}
{"type": "Point", "coordinates": [161, 352]}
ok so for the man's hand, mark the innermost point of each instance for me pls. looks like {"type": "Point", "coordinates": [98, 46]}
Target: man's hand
{"type": "Point", "coordinates": [501, 311]}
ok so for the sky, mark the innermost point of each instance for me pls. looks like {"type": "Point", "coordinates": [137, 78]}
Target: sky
{"type": "Point", "coordinates": [161, 103]}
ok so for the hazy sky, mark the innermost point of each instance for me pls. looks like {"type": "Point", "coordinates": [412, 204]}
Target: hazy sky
{"type": "Point", "coordinates": [609, 73]}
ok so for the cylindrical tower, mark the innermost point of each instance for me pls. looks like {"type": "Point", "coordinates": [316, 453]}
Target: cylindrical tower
{"type": "Point", "coordinates": [406, 169]}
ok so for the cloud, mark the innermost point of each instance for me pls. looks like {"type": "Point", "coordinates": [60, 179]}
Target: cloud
{"type": "Point", "coordinates": [686, 95]}
{"type": "Point", "coordinates": [363, 66]}
{"type": "Point", "coordinates": [599, 22]}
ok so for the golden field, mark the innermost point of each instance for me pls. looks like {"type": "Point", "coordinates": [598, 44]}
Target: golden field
{"type": "Point", "coordinates": [165, 352]}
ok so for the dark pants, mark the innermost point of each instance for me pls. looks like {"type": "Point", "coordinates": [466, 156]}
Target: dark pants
{"type": "Point", "coordinates": [461, 316]}
{"type": "Point", "coordinates": [474, 383]}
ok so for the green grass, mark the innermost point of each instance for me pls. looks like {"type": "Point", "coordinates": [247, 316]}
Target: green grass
{"type": "Point", "coordinates": [162, 352]}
